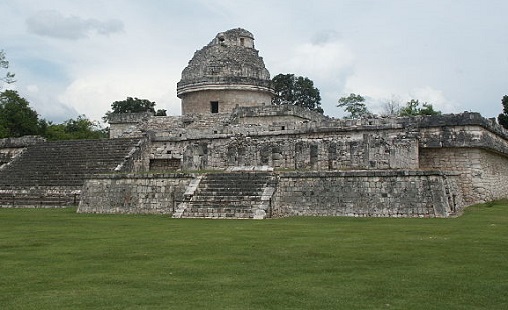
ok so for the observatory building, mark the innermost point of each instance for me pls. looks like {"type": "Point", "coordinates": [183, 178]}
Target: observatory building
{"type": "Point", "coordinates": [232, 154]}
{"type": "Point", "coordinates": [226, 73]}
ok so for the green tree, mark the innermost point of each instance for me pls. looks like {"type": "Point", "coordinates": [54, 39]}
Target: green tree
{"type": "Point", "coordinates": [299, 91]}
{"type": "Point", "coordinates": [74, 129]}
{"type": "Point", "coordinates": [503, 117]}
{"type": "Point", "coordinates": [4, 64]}
{"type": "Point", "coordinates": [16, 117]}
{"type": "Point", "coordinates": [355, 105]}
{"type": "Point", "coordinates": [161, 112]}
{"type": "Point", "coordinates": [413, 108]}
{"type": "Point", "coordinates": [131, 105]}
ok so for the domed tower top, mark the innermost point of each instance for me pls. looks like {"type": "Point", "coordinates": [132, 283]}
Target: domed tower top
{"type": "Point", "coordinates": [238, 37]}
{"type": "Point", "coordinates": [226, 73]}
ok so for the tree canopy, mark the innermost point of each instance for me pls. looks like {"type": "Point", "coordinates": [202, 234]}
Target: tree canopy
{"type": "Point", "coordinates": [503, 117]}
{"type": "Point", "coordinates": [73, 129]}
{"type": "Point", "coordinates": [355, 105]}
{"type": "Point", "coordinates": [17, 118]}
{"type": "Point", "coordinates": [133, 105]}
{"type": "Point", "coordinates": [413, 108]}
{"type": "Point", "coordinates": [293, 90]}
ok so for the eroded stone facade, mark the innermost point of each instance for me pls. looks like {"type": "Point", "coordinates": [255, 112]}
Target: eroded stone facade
{"type": "Point", "coordinates": [232, 154]}
{"type": "Point", "coordinates": [427, 166]}
{"type": "Point", "coordinates": [226, 73]}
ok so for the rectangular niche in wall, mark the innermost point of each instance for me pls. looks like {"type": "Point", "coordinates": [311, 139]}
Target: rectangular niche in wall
{"type": "Point", "coordinates": [165, 164]}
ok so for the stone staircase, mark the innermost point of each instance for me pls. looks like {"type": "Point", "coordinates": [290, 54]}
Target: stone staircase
{"type": "Point", "coordinates": [239, 195]}
{"type": "Point", "coordinates": [47, 169]}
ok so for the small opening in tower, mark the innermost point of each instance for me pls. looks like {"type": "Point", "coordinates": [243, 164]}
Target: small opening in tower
{"type": "Point", "coordinates": [214, 106]}
{"type": "Point", "coordinates": [242, 41]}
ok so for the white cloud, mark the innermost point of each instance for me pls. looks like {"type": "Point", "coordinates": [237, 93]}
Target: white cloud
{"type": "Point", "coordinates": [33, 89]}
{"type": "Point", "coordinates": [52, 23]}
{"type": "Point", "coordinates": [435, 97]}
{"type": "Point", "coordinates": [327, 61]}
{"type": "Point", "coordinates": [343, 46]}
{"type": "Point", "coordinates": [92, 95]}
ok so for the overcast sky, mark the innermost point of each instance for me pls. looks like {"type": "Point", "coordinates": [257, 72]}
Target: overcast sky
{"type": "Point", "coordinates": [77, 57]}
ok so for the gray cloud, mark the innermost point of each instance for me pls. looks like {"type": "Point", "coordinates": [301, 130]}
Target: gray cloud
{"type": "Point", "coordinates": [53, 24]}
{"type": "Point", "coordinates": [326, 36]}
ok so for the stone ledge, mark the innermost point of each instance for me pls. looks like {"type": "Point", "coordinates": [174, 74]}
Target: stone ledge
{"type": "Point", "coordinates": [363, 173]}
{"type": "Point", "coordinates": [176, 175]}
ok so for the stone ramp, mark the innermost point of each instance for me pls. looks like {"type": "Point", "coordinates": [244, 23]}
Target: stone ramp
{"type": "Point", "coordinates": [59, 168]}
{"type": "Point", "coordinates": [238, 195]}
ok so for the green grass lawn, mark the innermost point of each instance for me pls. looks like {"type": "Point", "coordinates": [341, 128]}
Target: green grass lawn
{"type": "Point", "coordinates": [57, 259]}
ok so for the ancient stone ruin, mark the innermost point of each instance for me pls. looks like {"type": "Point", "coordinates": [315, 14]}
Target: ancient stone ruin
{"type": "Point", "coordinates": [234, 155]}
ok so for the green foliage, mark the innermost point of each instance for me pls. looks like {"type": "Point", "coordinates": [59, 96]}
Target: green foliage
{"type": "Point", "coordinates": [74, 129]}
{"type": "Point", "coordinates": [413, 108]}
{"type": "Point", "coordinates": [4, 64]}
{"type": "Point", "coordinates": [57, 259]}
{"type": "Point", "coordinates": [132, 105]}
{"type": "Point", "coordinates": [17, 118]}
{"type": "Point", "coordinates": [298, 91]}
{"type": "Point", "coordinates": [354, 105]}
{"type": "Point", "coordinates": [161, 112]}
{"type": "Point", "coordinates": [503, 117]}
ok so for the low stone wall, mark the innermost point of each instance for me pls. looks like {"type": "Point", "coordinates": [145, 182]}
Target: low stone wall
{"type": "Point", "coordinates": [127, 125]}
{"type": "Point", "coordinates": [377, 193]}
{"type": "Point", "coordinates": [133, 193]}
{"type": "Point", "coordinates": [20, 142]}
{"type": "Point", "coordinates": [39, 197]}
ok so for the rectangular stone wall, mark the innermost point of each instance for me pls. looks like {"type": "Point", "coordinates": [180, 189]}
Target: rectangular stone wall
{"type": "Point", "coordinates": [133, 193]}
{"type": "Point", "coordinates": [381, 150]}
{"type": "Point", "coordinates": [494, 180]}
{"type": "Point", "coordinates": [39, 197]}
{"type": "Point", "coordinates": [381, 193]}
{"type": "Point", "coordinates": [483, 174]}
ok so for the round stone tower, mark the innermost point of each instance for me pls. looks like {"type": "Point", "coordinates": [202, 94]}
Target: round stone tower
{"type": "Point", "coordinates": [226, 73]}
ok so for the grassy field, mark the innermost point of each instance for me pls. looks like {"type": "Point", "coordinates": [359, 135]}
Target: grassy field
{"type": "Point", "coordinates": [57, 259]}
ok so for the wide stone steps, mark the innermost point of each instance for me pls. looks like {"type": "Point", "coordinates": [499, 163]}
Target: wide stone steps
{"type": "Point", "coordinates": [229, 195]}
{"type": "Point", "coordinates": [64, 163]}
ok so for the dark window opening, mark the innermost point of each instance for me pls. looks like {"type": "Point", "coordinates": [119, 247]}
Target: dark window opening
{"type": "Point", "coordinates": [242, 41]}
{"type": "Point", "coordinates": [283, 128]}
{"type": "Point", "coordinates": [214, 105]}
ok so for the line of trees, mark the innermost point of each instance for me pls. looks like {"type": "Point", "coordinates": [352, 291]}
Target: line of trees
{"type": "Point", "coordinates": [300, 91]}
{"type": "Point", "coordinates": [355, 106]}
{"type": "Point", "coordinates": [18, 119]}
